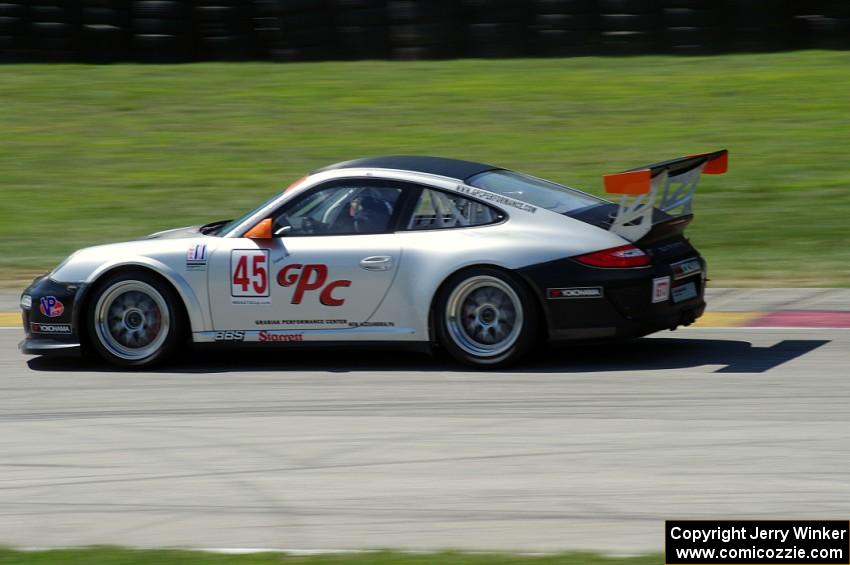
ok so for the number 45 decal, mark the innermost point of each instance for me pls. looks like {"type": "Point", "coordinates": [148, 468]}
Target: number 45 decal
{"type": "Point", "coordinates": [249, 272]}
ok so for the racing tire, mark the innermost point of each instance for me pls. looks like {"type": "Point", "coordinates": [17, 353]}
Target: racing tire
{"type": "Point", "coordinates": [135, 320]}
{"type": "Point", "coordinates": [486, 318]}
{"type": "Point", "coordinates": [563, 6]}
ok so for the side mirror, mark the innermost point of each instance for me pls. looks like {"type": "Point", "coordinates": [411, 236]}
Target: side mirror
{"type": "Point", "coordinates": [263, 230]}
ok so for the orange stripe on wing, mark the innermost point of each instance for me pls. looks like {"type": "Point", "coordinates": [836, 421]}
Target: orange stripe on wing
{"type": "Point", "coordinates": [631, 182]}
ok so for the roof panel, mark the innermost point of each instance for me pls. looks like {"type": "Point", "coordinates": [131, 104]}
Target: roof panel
{"type": "Point", "coordinates": [452, 168]}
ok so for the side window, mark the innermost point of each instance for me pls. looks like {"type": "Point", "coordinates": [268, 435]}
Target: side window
{"type": "Point", "coordinates": [436, 209]}
{"type": "Point", "coordinates": [340, 210]}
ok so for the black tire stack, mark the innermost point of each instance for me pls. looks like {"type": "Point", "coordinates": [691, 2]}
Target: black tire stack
{"type": "Point", "coordinates": [691, 27]}
{"type": "Point", "coordinates": [629, 27]}
{"type": "Point", "coordinates": [54, 30]}
{"type": "Point", "coordinates": [562, 27]}
{"type": "Point", "coordinates": [422, 29]}
{"type": "Point", "coordinates": [808, 24]}
{"type": "Point", "coordinates": [759, 25]}
{"type": "Point", "coordinates": [162, 31]}
{"type": "Point", "coordinates": [834, 28]}
{"type": "Point", "coordinates": [360, 29]}
{"type": "Point", "coordinates": [14, 31]}
{"type": "Point", "coordinates": [223, 30]}
{"type": "Point", "coordinates": [265, 26]}
{"type": "Point", "coordinates": [304, 31]}
{"type": "Point", "coordinates": [496, 28]}
{"type": "Point", "coordinates": [104, 31]}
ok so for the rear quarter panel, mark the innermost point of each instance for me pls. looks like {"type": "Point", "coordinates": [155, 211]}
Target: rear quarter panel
{"type": "Point", "coordinates": [432, 256]}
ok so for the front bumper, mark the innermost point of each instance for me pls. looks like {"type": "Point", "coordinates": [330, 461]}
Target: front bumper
{"type": "Point", "coordinates": [52, 324]}
{"type": "Point", "coordinates": [596, 303]}
{"type": "Point", "coordinates": [52, 347]}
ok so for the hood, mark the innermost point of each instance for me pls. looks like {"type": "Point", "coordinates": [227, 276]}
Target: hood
{"type": "Point", "coordinates": [175, 233]}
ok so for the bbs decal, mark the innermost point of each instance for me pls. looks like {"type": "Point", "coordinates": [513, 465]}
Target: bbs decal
{"type": "Point", "coordinates": [230, 336]}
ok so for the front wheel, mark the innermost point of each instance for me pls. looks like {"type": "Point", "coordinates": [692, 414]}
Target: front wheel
{"type": "Point", "coordinates": [134, 320]}
{"type": "Point", "coordinates": [486, 318]}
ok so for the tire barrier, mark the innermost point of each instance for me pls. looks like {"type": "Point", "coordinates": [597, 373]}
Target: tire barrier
{"type": "Point", "coordinates": [107, 31]}
{"type": "Point", "coordinates": [561, 28]}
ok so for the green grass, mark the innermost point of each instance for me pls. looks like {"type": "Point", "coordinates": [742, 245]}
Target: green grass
{"type": "Point", "coordinates": [90, 154]}
{"type": "Point", "coordinates": [116, 556]}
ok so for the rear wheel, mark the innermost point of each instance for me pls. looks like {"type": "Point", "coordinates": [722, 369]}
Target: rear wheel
{"type": "Point", "coordinates": [134, 320]}
{"type": "Point", "coordinates": [486, 318]}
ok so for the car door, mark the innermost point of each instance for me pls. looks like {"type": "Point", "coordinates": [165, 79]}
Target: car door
{"type": "Point", "coordinates": [329, 268]}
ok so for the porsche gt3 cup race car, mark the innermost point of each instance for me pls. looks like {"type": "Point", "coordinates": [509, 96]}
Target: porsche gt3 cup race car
{"type": "Point", "coordinates": [421, 252]}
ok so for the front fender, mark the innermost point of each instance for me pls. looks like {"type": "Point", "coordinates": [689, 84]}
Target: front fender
{"type": "Point", "coordinates": [199, 318]}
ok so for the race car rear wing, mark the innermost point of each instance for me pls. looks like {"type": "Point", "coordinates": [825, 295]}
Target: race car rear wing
{"type": "Point", "coordinates": [669, 185]}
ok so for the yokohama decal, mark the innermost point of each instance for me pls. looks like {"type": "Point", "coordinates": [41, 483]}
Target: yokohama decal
{"type": "Point", "coordinates": [581, 292]}
{"type": "Point", "coordinates": [60, 329]}
{"type": "Point", "coordinates": [312, 278]}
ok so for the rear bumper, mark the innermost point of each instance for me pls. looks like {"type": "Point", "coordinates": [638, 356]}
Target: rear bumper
{"type": "Point", "coordinates": [582, 302]}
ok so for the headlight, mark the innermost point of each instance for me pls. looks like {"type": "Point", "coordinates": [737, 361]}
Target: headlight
{"type": "Point", "coordinates": [26, 301]}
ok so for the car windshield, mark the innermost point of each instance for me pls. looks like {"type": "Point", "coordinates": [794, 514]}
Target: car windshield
{"type": "Point", "coordinates": [534, 191]}
{"type": "Point", "coordinates": [233, 223]}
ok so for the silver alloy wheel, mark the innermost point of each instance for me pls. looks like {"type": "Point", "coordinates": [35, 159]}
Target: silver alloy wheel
{"type": "Point", "coordinates": [484, 316]}
{"type": "Point", "coordinates": [131, 320]}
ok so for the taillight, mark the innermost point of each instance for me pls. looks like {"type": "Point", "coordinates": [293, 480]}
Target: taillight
{"type": "Point", "coordinates": [624, 256]}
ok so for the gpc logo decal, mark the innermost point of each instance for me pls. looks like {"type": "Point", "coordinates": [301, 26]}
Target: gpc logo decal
{"type": "Point", "coordinates": [51, 307]}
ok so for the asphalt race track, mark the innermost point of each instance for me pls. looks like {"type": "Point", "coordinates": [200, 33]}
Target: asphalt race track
{"type": "Point", "coordinates": [590, 448]}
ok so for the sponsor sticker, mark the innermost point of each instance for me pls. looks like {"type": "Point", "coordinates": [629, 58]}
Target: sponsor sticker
{"type": "Point", "coordinates": [575, 292]}
{"type": "Point", "coordinates": [58, 329]}
{"type": "Point", "coordinates": [660, 289]}
{"type": "Point", "coordinates": [266, 336]}
{"type": "Point", "coordinates": [196, 257]}
{"type": "Point", "coordinates": [496, 198]}
{"type": "Point", "coordinates": [51, 306]}
{"type": "Point", "coordinates": [249, 277]}
{"type": "Point", "coordinates": [230, 335]}
{"type": "Point", "coordinates": [310, 278]}
{"type": "Point", "coordinates": [684, 292]}
{"type": "Point", "coordinates": [301, 322]}
{"type": "Point", "coordinates": [686, 268]}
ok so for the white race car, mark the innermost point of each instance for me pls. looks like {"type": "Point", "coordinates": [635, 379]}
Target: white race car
{"type": "Point", "coordinates": [420, 252]}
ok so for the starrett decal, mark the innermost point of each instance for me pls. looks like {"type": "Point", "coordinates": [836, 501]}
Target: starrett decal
{"type": "Point", "coordinates": [271, 336]}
